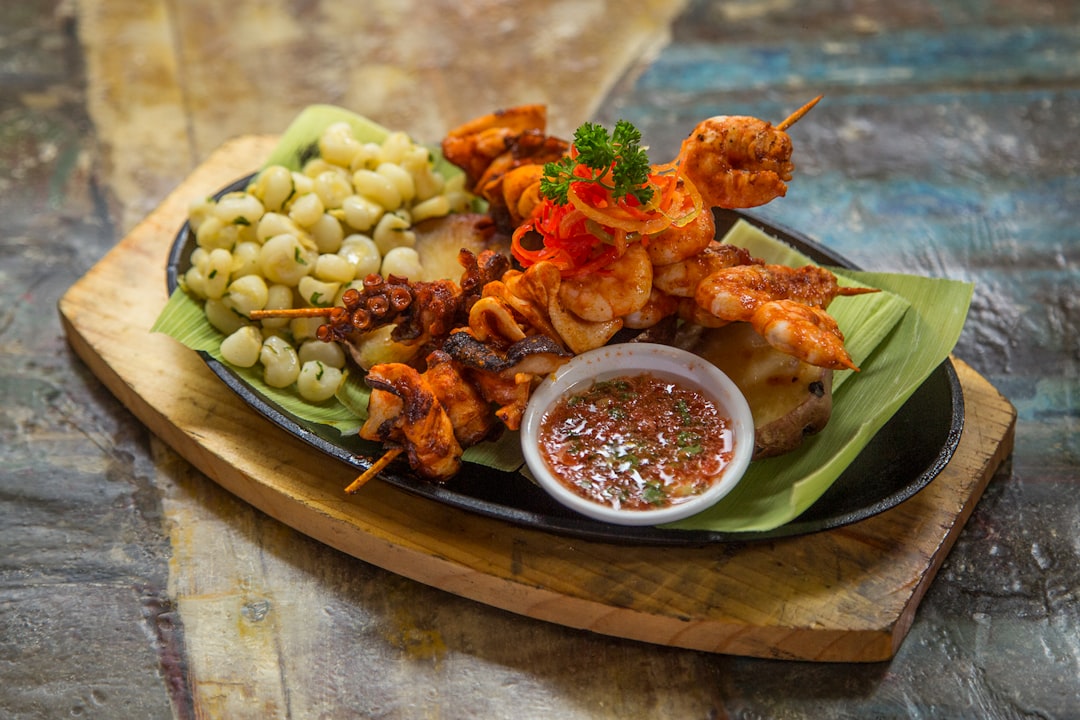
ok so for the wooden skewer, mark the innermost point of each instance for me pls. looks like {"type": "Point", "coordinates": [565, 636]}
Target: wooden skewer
{"type": "Point", "coordinates": [797, 115]}
{"type": "Point", "coordinates": [290, 313]}
{"type": "Point", "coordinates": [374, 470]}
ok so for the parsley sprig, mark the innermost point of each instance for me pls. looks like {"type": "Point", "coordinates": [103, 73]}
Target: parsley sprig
{"type": "Point", "coordinates": [617, 162]}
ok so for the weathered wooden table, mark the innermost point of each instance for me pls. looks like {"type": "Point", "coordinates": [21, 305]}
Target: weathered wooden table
{"type": "Point", "coordinates": [131, 585]}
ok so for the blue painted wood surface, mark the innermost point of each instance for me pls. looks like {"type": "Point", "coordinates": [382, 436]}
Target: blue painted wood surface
{"type": "Point", "coordinates": [947, 150]}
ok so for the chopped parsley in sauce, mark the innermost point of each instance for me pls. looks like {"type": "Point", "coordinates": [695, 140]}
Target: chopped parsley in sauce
{"type": "Point", "coordinates": [637, 442]}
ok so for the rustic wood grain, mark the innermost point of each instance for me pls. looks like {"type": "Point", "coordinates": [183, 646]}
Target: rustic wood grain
{"type": "Point", "coordinates": [160, 115]}
{"type": "Point", "coordinates": [845, 595]}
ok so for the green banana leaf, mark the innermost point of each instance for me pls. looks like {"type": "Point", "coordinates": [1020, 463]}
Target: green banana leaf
{"type": "Point", "coordinates": [897, 338]}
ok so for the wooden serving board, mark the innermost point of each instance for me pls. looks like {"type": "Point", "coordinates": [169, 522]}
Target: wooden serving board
{"type": "Point", "coordinates": [844, 595]}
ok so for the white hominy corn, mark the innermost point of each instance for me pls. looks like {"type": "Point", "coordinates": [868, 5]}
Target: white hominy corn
{"type": "Point", "coordinates": [362, 253]}
{"type": "Point", "coordinates": [245, 259]}
{"type": "Point", "coordinates": [217, 271]}
{"type": "Point", "coordinates": [242, 348]}
{"type": "Point", "coordinates": [199, 258]}
{"type": "Point", "coordinates": [334, 268]}
{"type": "Point", "coordinates": [328, 353]}
{"type": "Point", "coordinates": [332, 188]}
{"type": "Point", "coordinates": [395, 147]}
{"type": "Point", "coordinates": [306, 209]}
{"type": "Point", "coordinates": [400, 178]}
{"type": "Point", "coordinates": [318, 382]}
{"type": "Point", "coordinates": [294, 239]}
{"type": "Point", "coordinates": [302, 183]}
{"type": "Point", "coordinates": [280, 363]}
{"type": "Point", "coordinates": [273, 186]}
{"type": "Point", "coordinates": [377, 188]}
{"type": "Point", "coordinates": [195, 282]}
{"type": "Point", "coordinates": [222, 317]}
{"type": "Point", "coordinates": [198, 211]}
{"type": "Point", "coordinates": [316, 166]}
{"type": "Point", "coordinates": [327, 233]}
{"type": "Point", "coordinates": [304, 329]}
{"type": "Point", "coordinates": [239, 208]}
{"type": "Point", "coordinates": [317, 293]}
{"type": "Point", "coordinates": [366, 157]}
{"type": "Point", "coordinates": [273, 223]}
{"type": "Point", "coordinates": [210, 234]}
{"type": "Point", "coordinates": [247, 293]}
{"type": "Point", "coordinates": [393, 231]}
{"type": "Point", "coordinates": [427, 181]}
{"type": "Point", "coordinates": [361, 213]}
{"type": "Point", "coordinates": [337, 144]}
{"type": "Point", "coordinates": [459, 201]}
{"type": "Point", "coordinates": [284, 260]}
{"type": "Point", "coordinates": [278, 297]}
{"type": "Point", "coordinates": [401, 261]}
{"type": "Point", "coordinates": [436, 206]}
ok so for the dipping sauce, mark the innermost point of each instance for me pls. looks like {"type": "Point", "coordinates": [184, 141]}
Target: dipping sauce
{"type": "Point", "coordinates": [638, 442]}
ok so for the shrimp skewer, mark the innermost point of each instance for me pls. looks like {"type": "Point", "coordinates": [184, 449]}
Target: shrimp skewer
{"type": "Point", "coordinates": [798, 114]}
{"type": "Point", "coordinates": [802, 331]}
{"type": "Point", "coordinates": [740, 162]}
{"type": "Point", "coordinates": [786, 306]}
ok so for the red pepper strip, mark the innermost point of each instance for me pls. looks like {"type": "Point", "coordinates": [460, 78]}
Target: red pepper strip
{"type": "Point", "coordinates": [567, 242]}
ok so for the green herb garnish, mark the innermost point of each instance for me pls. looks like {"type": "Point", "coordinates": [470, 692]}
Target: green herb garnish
{"type": "Point", "coordinates": [617, 162]}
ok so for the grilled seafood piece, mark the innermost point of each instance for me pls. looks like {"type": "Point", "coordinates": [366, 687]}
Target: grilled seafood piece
{"type": "Point", "coordinates": [500, 154]}
{"type": "Point", "coordinates": [682, 278]}
{"type": "Point", "coordinates": [785, 305]}
{"type": "Point", "coordinates": [467, 409]}
{"type": "Point", "coordinates": [804, 332]}
{"type": "Point", "coordinates": [734, 293]}
{"type": "Point", "coordinates": [738, 161]}
{"type": "Point", "coordinates": [421, 312]}
{"type": "Point", "coordinates": [479, 142]}
{"type": "Point", "coordinates": [678, 243]}
{"type": "Point", "coordinates": [622, 288]}
{"type": "Point", "coordinates": [404, 410]}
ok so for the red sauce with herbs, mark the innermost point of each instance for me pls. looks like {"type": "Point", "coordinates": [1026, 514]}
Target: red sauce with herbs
{"type": "Point", "coordinates": [637, 442]}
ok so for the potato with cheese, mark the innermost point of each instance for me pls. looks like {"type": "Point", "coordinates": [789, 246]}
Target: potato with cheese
{"type": "Point", "coordinates": [789, 399]}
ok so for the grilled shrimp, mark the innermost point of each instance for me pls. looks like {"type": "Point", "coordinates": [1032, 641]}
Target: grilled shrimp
{"type": "Point", "coordinates": [503, 154]}
{"type": "Point", "coordinates": [618, 290]}
{"type": "Point", "coordinates": [479, 142]}
{"type": "Point", "coordinates": [660, 305]}
{"type": "Point", "coordinates": [802, 331]}
{"type": "Point", "coordinates": [740, 162]}
{"type": "Point", "coordinates": [785, 305]}
{"type": "Point", "coordinates": [682, 278]}
{"type": "Point", "coordinates": [734, 293]}
{"type": "Point", "coordinates": [679, 243]}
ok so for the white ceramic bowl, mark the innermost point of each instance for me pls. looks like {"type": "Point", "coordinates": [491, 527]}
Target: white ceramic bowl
{"type": "Point", "coordinates": [630, 359]}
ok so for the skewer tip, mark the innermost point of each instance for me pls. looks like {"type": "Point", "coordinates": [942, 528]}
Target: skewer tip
{"type": "Point", "coordinates": [797, 115]}
{"type": "Point", "coordinates": [375, 469]}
